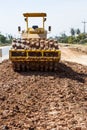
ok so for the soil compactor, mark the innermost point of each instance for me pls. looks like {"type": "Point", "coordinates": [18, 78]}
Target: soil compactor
{"type": "Point", "coordinates": [33, 51]}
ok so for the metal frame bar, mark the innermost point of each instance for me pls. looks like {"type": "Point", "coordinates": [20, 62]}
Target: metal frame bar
{"type": "Point", "coordinates": [34, 58]}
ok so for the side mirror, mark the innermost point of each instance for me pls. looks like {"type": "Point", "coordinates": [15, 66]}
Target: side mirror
{"type": "Point", "coordinates": [45, 19]}
{"type": "Point", "coordinates": [49, 28]}
{"type": "Point", "coordinates": [25, 19]}
{"type": "Point", "coordinates": [19, 28]}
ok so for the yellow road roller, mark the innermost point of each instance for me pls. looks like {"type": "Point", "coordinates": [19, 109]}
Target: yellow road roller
{"type": "Point", "coordinates": [33, 50]}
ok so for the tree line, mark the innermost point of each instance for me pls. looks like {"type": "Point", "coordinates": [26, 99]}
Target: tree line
{"type": "Point", "coordinates": [75, 37]}
{"type": "Point", "coordinates": [5, 39]}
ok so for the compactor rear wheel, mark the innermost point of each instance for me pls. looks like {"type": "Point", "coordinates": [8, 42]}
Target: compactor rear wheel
{"type": "Point", "coordinates": [35, 66]}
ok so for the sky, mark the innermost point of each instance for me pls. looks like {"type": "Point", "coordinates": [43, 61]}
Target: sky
{"type": "Point", "coordinates": [62, 15]}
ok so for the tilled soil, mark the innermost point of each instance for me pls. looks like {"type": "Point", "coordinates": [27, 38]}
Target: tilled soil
{"type": "Point", "coordinates": [43, 100]}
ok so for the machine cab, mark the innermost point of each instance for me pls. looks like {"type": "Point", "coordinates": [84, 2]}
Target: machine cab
{"type": "Point", "coordinates": [35, 31]}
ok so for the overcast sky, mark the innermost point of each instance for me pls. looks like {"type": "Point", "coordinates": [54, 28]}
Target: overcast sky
{"type": "Point", "coordinates": [62, 14]}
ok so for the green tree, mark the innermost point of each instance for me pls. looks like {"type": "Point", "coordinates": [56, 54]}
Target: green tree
{"type": "Point", "coordinates": [2, 38]}
{"type": "Point", "coordinates": [78, 31]}
{"type": "Point", "coordinates": [72, 31]}
{"type": "Point", "coordinates": [9, 38]}
{"type": "Point", "coordinates": [71, 39]}
{"type": "Point", "coordinates": [82, 36]}
{"type": "Point", "coordinates": [5, 39]}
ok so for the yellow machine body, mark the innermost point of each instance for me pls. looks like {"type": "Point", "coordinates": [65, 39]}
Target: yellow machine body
{"type": "Point", "coordinates": [32, 58]}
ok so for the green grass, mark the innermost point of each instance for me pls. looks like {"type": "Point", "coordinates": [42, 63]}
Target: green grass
{"type": "Point", "coordinates": [5, 44]}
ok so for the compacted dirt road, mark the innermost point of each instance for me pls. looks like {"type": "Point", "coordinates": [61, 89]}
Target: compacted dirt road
{"type": "Point", "coordinates": [74, 53]}
{"type": "Point", "coordinates": [43, 100]}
